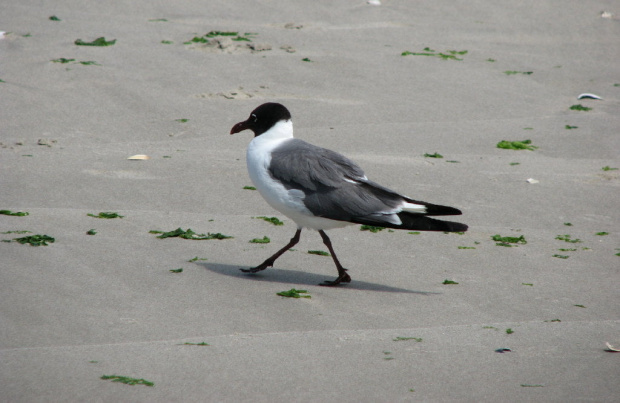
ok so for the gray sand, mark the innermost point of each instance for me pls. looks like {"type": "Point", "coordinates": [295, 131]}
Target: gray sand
{"type": "Point", "coordinates": [86, 306]}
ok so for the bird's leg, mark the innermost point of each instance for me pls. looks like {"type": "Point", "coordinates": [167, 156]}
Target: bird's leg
{"type": "Point", "coordinates": [269, 262]}
{"type": "Point", "coordinates": [343, 277]}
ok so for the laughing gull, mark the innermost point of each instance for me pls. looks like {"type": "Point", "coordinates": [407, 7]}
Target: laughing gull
{"type": "Point", "coordinates": [320, 189]}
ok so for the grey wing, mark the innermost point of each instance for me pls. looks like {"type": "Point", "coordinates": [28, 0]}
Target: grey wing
{"type": "Point", "coordinates": [302, 165]}
{"type": "Point", "coordinates": [334, 186]}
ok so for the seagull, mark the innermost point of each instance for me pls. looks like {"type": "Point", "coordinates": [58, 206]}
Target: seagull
{"type": "Point", "coordinates": [321, 189]}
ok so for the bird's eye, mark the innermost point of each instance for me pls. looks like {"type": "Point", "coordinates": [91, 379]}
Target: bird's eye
{"type": "Point", "coordinates": [254, 118]}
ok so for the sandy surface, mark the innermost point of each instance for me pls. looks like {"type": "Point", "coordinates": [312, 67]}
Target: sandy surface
{"type": "Point", "coordinates": [107, 304]}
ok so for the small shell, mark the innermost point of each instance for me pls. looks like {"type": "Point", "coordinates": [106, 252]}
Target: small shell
{"type": "Point", "coordinates": [2, 34]}
{"type": "Point", "coordinates": [587, 95]}
{"type": "Point", "coordinates": [374, 2]}
{"type": "Point", "coordinates": [532, 180]}
{"type": "Point", "coordinates": [611, 348]}
{"type": "Point", "coordinates": [139, 157]}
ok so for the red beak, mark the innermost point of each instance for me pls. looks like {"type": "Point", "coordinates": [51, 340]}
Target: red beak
{"type": "Point", "coordinates": [239, 127]}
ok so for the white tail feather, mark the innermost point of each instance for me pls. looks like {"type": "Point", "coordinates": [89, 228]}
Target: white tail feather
{"type": "Point", "coordinates": [414, 208]}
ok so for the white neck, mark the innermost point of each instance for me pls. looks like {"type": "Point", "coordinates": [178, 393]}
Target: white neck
{"type": "Point", "coordinates": [280, 131]}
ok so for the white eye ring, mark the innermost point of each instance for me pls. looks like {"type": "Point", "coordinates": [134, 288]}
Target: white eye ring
{"type": "Point", "coordinates": [254, 116]}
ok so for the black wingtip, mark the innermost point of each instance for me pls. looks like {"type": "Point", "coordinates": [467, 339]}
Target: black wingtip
{"type": "Point", "coordinates": [435, 210]}
{"type": "Point", "coordinates": [418, 222]}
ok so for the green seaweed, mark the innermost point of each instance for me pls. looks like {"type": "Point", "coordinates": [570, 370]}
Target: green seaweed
{"type": "Point", "coordinates": [15, 214]}
{"type": "Point", "coordinates": [569, 127]}
{"type": "Point", "coordinates": [513, 72]}
{"type": "Point", "coordinates": [305, 59]}
{"type": "Point", "coordinates": [180, 270]}
{"type": "Point", "coordinates": [318, 252]}
{"type": "Point", "coordinates": [249, 188]}
{"type": "Point", "coordinates": [435, 155]}
{"type": "Point", "coordinates": [265, 239]}
{"type": "Point", "coordinates": [449, 55]}
{"type": "Point", "coordinates": [371, 228]}
{"type": "Point", "coordinates": [213, 34]}
{"type": "Point", "coordinates": [62, 60]}
{"type": "Point", "coordinates": [127, 380]}
{"type": "Point", "coordinates": [194, 259]}
{"type": "Point", "coordinates": [196, 39]}
{"type": "Point", "coordinates": [579, 306]}
{"type": "Point", "coordinates": [181, 120]}
{"type": "Point", "coordinates": [603, 233]}
{"type": "Point", "coordinates": [54, 18]}
{"type": "Point", "coordinates": [91, 232]}
{"type": "Point", "coordinates": [527, 385]}
{"type": "Point", "coordinates": [516, 145]}
{"type": "Point", "coordinates": [508, 240]}
{"type": "Point", "coordinates": [417, 339]}
{"type": "Point", "coordinates": [567, 238]}
{"type": "Point", "coordinates": [246, 37]}
{"type": "Point", "coordinates": [189, 234]}
{"type": "Point", "coordinates": [553, 320]}
{"type": "Point", "coordinates": [579, 107]}
{"type": "Point", "coordinates": [65, 61]}
{"type": "Point", "coordinates": [530, 284]}
{"type": "Point", "coordinates": [293, 293]}
{"type": "Point", "coordinates": [195, 344]}
{"type": "Point", "coordinates": [509, 331]}
{"type": "Point", "coordinates": [608, 168]}
{"type": "Point", "coordinates": [273, 220]}
{"type": "Point", "coordinates": [97, 42]}
{"type": "Point", "coordinates": [466, 247]}
{"type": "Point", "coordinates": [35, 240]}
{"type": "Point", "coordinates": [561, 256]}
{"type": "Point", "coordinates": [106, 214]}
{"type": "Point", "coordinates": [449, 282]}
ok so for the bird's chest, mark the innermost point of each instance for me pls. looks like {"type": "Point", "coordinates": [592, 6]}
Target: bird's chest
{"type": "Point", "coordinates": [258, 160]}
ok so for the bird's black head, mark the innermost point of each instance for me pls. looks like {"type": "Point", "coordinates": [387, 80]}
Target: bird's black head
{"type": "Point", "coordinates": [263, 118]}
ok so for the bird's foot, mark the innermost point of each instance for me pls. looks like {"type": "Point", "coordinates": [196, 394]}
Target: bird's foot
{"type": "Point", "coordinates": [342, 278]}
{"type": "Point", "coordinates": [257, 268]}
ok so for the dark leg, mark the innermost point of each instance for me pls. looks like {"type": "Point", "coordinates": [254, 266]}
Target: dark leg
{"type": "Point", "coordinates": [269, 262]}
{"type": "Point", "coordinates": [343, 277]}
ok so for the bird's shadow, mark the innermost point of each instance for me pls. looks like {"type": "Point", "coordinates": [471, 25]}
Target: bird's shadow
{"type": "Point", "coordinates": [272, 275]}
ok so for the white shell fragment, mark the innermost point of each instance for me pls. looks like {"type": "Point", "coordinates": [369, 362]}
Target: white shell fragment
{"type": "Point", "coordinates": [611, 348]}
{"type": "Point", "coordinates": [532, 180]}
{"type": "Point", "coordinates": [607, 14]}
{"type": "Point", "coordinates": [374, 2]}
{"type": "Point", "coordinates": [139, 157]}
{"type": "Point", "coordinates": [2, 34]}
{"type": "Point", "coordinates": [587, 95]}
